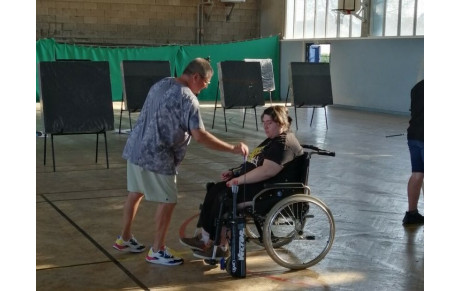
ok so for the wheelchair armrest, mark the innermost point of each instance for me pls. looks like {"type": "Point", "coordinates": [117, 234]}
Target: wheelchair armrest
{"type": "Point", "coordinates": [285, 185]}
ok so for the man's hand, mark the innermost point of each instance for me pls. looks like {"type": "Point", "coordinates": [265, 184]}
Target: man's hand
{"type": "Point", "coordinates": [241, 149]}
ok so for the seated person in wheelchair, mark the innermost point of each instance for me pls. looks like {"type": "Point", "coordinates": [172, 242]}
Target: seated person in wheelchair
{"type": "Point", "coordinates": [263, 165]}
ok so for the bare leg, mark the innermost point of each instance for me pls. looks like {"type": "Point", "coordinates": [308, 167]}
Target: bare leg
{"type": "Point", "coordinates": [413, 189]}
{"type": "Point", "coordinates": [223, 237]}
{"type": "Point", "coordinates": [204, 236]}
{"type": "Point", "coordinates": [162, 220]}
{"type": "Point", "coordinates": [208, 242]}
{"type": "Point", "coordinates": [129, 213]}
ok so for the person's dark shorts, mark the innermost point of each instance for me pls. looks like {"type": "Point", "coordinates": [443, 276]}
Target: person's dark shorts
{"type": "Point", "coordinates": [416, 155]}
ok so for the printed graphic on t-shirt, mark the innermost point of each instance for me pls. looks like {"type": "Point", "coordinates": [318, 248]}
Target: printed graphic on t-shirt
{"type": "Point", "coordinates": [255, 155]}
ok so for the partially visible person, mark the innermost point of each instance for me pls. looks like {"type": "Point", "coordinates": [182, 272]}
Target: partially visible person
{"type": "Point", "coordinates": [155, 148]}
{"type": "Point", "coordinates": [415, 140]}
{"type": "Point", "coordinates": [264, 163]}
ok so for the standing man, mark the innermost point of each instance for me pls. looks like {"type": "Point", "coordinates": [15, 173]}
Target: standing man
{"type": "Point", "coordinates": [155, 148]}
{"type": "Point", "coordinates": [415, 137]}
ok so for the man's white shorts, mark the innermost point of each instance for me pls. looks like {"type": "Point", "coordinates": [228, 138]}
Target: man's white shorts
{"type": "Point", "coordinates": [155, 187]}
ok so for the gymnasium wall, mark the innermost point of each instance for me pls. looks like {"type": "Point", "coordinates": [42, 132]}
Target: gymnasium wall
{"type": "Point", "coordinates": [145, 22]}
{"type": "Point", "coordinates": [373, 74]}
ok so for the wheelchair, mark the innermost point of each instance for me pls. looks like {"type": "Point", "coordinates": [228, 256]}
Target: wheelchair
{"type": "Point", "coordinates": [296, 229]}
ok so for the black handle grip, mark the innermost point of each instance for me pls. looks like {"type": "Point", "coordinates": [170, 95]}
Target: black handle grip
{"type": "Point", "coordinates": [326, 153]}
{"type": "Point", "coordinates": [318, 150]}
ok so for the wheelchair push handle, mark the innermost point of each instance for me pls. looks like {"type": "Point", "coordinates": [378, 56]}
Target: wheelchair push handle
{"type": "Point", "coordinates": [319, 151]}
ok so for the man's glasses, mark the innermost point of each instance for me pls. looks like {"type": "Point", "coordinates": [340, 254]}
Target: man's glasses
{"type": "Point", "coordinates": [206, 83]}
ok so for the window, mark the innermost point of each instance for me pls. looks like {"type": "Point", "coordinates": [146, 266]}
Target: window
{"type": "Point", "coordinates": [320, 19]}
{"type": "Point", "coordinates": [317, 53]}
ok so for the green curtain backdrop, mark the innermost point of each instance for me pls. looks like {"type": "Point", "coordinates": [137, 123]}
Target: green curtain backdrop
{"type": "Point", "coordinates": [44, 52]}
{"type": "Point", "coordinates": [178, 56]}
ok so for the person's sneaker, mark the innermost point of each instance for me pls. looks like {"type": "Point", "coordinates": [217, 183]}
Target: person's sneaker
{"type": "Point", "coordinates": [195, 243]}
{"type": "Point", "coordinates": [163, 257]}
{"type": "Point", "coordinates": [413, 218]}
{"type": "Point", "coordinates": [132, 245]}
{"type": "Point", "coordinates": [207, 253]}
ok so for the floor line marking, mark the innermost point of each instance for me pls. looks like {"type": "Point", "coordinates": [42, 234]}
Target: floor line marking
{"type": "Point", "coordinates": [107, 254]}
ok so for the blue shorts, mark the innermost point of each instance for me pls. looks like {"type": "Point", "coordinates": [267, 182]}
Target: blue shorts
{"type": "Point", "coordinates": [416, 155]}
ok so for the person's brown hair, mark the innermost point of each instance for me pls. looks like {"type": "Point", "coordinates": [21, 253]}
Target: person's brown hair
{"type": "Point", "coordinates": [279, 114]}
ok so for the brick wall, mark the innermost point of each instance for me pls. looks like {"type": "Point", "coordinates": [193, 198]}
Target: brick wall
{"type": "Point", "coordinates": [145, 22]}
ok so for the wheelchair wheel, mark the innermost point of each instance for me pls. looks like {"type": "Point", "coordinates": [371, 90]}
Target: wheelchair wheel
{"type": "Point", "coordinates": [301, 230]}
{"type": "Point", "coordinates": [252, 233]}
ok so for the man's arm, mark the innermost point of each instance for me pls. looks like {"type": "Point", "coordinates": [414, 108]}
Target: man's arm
{"type": "Point", "coordinates": [210, 141]}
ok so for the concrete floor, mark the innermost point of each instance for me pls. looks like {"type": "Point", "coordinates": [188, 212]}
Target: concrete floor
{"type": "Point", "coordinates": [79, 209]}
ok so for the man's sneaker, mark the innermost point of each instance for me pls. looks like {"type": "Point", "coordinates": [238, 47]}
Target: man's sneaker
{"type": "Point", "coordinates": [195, 243]}
{"type": "Point", "coordinates": [413, 218]}
{"type": "Point", "coordinates": [207, 253]}
{"type": "Point", "coordinates": [132, 245]}
{"type": "Point", "coordinates": [163, 257]}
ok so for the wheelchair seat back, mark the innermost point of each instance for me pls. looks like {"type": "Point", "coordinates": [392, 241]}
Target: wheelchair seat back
{"type": "Point", "coordinates": [291, 180]}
